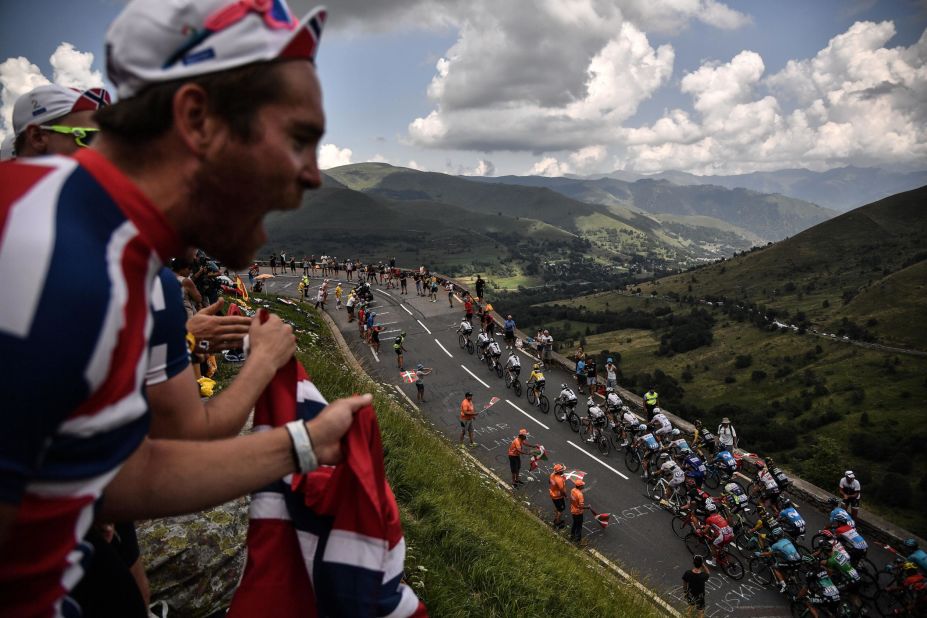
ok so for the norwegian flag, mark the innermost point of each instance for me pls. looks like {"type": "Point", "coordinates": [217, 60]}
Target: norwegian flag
{"type": "Point", "coordinates": [328, 543]}
{"type": "Point", "coordinates": [409, 377]}
{"type": "Point", "coordinates": [91, 100]}
{"type": "Point", "coordinates": [539, 455]}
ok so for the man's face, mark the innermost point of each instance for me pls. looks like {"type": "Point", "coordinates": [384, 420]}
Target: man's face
{"type": "Point", "coordinates": [238, 182]}
{"type": "Point", "coordinates": [43, 142]}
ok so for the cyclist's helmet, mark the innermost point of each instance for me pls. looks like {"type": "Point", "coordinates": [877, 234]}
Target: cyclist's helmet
{"type": "Point", "coordinates": [828, 535]}
{"type": "Point", "coordinates": [642, 427]}
{"type": "Point", "coordinates": [491, 338]}
{"type": "Point", "coordinates": [770, 462]}
{"type": "Point", "coordinates": [698, 424]}
{"type": "Point", "coordinates": [537, 366]}
{"type": "Point", "coordinates": [664, 457]}
{"type": "Point", "coordinates": [563, 387]}
{"type": "Point", "coordinates": [657, 411]}
{"type": "Point", "coordinates": [843, 517]}
{"type": "Point", "coordinates": [690, 480]}
{"type": "Point", "coordinates": [625, 409]}
{"type": "Point", "coordinates": [675, 433]}
{"type": "Point", "coordinates": [910, 545]}
{"type": "Point", "coordinates": [710, 506]}
{"type": "Point", "coordinates": [910, 568]}
{"type": "Point", "coordinates": [402, 334]}
{"type": "Point", "coordinates": [784, 502]}
{"type": "Point", "coordinates": [832, 502]}
{"type": "Point", "coordinates": [609, 390]}
{"type": "Point", "coordinates": [760, 465]}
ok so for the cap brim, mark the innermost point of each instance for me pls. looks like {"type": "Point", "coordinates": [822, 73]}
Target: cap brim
{"type": "Point", "coordinates": [304, 44]}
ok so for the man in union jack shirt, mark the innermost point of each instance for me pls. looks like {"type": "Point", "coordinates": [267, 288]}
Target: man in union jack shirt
{"type": "Point", "coordinates": [217, 124]}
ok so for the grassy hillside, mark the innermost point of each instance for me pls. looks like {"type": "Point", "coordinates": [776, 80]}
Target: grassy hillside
{"type": "Point", "coordinates": [472, 549]}
{"type": "Point", "coordinates": [872, 252]}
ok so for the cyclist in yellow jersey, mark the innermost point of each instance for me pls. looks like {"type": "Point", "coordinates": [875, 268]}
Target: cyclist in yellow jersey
{"type": "Point", "coordinates": [536, 380]}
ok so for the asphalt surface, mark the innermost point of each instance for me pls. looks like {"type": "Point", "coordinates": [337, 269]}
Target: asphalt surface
{"type": "Point", "coordinates": [639, 538]}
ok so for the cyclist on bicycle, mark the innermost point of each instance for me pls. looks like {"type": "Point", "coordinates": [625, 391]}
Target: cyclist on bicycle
{"type": "Point", "coordinates": [836, 560]}
{"type": "Point", "coordinates": [662, 424]}
{"type": "Point", "coordinates": [494, 350]}
{"type": "Point", "coordinates": [482, 341]}
{"type": "Point", "coordinates": [915, 554]}
{"type": "Point", "coordinates": [698, 500]}
{"type": "Point", "coordinates": [673, 474]}
{"type": "Point", "coordinates": [717, 531]}
{"type": "Point", "coordinates": [629, 423]}
{"type": "Point", "coordinates": [736, 498]}
{"type": "Point", "coordinates": [782, 480]}
{"type": "Point", "coordinates": [853, 541]}
{"type": "Point", "coordinates": [784, 556]}
{"type": "Point", "coordinates": [513, 365]}
{"type": "Point", "coordinates": [790, 519]}
{"type": "Point", "coordinates": [596, 419]}
{"type": "Point", "coordinates": [613, 402]}
{"type": "Point", "coordinates": [465, 328]}
{"type": "Point", "coordinates": [536, 382]}
{"type": "Point", "coordinates": [838, 515]}
{"type": "Point", "coordinates": [678, 446]}
{"type": "Point", "coordinates": [725, 463]}
{"type": "Point", "coordinates": [694, 468]}
{"type": "Point", "coordinates": [703, 437]}
{"type": "Point", "coordinates": [648, 446]}
{"type": "Point", "coordinates": [914, 585]}
{"type": "Point", "coordinates": [766, 485]}
{"type": "Point", "coordinates": [567, 398]}
{"type": "Point", "coordinates": [825, 592]}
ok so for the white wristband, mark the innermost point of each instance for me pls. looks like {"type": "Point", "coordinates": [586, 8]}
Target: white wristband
{"type": "Point", "coordinates": [302, 446]}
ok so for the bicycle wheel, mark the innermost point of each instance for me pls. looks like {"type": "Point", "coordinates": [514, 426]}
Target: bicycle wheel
{"type": "Point", "coordinates": [731, 565]}
{"type": "Point", "coordinates": [470, 346]}
{"type": "Point", "coordinates": [559, 412]}
{"type": "Point", "coordinates": [868, 586]}
{"type": "Point", "coordinates": [573, 420]}
{"type": "Point", "coordinates": [818, 541]}
{"type": "Point", "coordinates": [498, 370]}
{"type": "Point", "coordinates": [586, 432]}
{"type": "Point", "coordinates": [657, 491]}
{"type": "Point", "coordinates": [532, 396]}
{"type": "Point", "coordinates": [516, 386]}
{"type": "Point", "coordinates": [603, 444]}
{"type": "Point", "coordinates": [632, 460]}
{"type": "Point", "coordinates": [761, 571]}
{"type": "Point", "coordinates": [462, 340]}
{"type": "Point", "coordinates": [696, 545]}
{"type": "Point", "coordinates": [545, 404]}
{"type": "Point", "coordinates": [680, 525]}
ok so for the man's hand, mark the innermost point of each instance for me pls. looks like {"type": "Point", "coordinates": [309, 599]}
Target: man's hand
{"type": "Point", "coordinates": [272, 341]}
{"type": "Point", "coordinates": [327, 429]}
{"type": "Point", "coordinates": [222, 332]}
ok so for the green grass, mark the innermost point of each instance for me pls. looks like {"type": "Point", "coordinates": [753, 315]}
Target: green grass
{"type": "Point", "coordinates": [472, 549]}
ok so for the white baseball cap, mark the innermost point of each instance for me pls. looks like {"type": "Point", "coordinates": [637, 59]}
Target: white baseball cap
{"type": "Point", "coordinates": [155, 41]}
{"type": "Point", "coordinates": [49, 102]}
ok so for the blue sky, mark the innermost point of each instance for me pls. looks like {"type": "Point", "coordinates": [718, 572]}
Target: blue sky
{"type": "Point", "coordinates": [704, 89]}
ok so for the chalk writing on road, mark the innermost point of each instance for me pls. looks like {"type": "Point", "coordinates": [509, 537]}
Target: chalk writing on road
{"type": "Point", "coordinates": [723, 599]}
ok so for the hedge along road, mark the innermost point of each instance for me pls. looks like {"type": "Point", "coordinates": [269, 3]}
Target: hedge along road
{"type": "Point", "coordinates": [639, 538]}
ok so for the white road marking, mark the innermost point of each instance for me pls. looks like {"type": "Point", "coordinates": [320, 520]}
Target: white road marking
{"type": "Point", "coordinates": [401, 392]}
{"type": "Point", "coordinates": [372, 351]}
{"type": "Point", "coordinates": [443, 348]}
{"type": "Point", "coordinates": [386, 323]}
{"type": "Point", "coordinates": [423, 326]}
{"type": "Point", "coordinates": [387, 293]}
{"type": "Point", "coordinates": [392, 330]}
{"type": "Point", "coordinates": [526, 414]}
{"type": "Point", "coordinates": [474, 376]}
{"type": "Point", "coordinates": [404, 308]}
{"type": "Point", "coordinates": [576, 446]}
{"type": "Point", "coordinates": [286, 285]}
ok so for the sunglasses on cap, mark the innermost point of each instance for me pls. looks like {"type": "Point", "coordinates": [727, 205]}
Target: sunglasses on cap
{"type": "Point", "coordinates": [82, 135]}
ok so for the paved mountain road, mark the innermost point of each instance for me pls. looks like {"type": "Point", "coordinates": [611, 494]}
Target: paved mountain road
{"type": "Point", "coordinates": [639, 538]}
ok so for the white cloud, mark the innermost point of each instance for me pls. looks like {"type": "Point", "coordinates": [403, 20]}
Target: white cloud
{"type": "Point", "coordinates": [484, 168]}
{"type": "Point", "coordinates": [331, 156]}
{"type": "Point", "coordinates": [378, 158]}
{"type": "Point", "coordinates": [413, 164]}
{"type": "Point", "coordinates": [856, 102]}
{"type": "Point", "coordinates": [549, 166]}
{"type": "Point", "coordinates": [18, 76]}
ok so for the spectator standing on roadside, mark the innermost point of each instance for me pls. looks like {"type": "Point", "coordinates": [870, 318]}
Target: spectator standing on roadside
{"type": "Point", "coordinates": [611, 373]}
{"type": "Point", "coordinates": [480, 287]}
{"type": "Point", "coordinates": [450, 293]}
{"type": "Point", "coordinates": [577, 510]}
{"type": "Point", "coordinates": [727, 436]}
{"type": "Point", "coordinates": [403, 282]}
{"type": "Point", "coordinates": [273, 263]}
{"type": "Point", "coordinates": [338, 293]}
{"type": "Point", "coordinates": [420, 372]}
{"type": "Point", "coordinates": [516, 450]}
{"type": "Point", "coordinates": [557, 491]}
{"type": "Point", "coordinates": [468, 309]}
{"type": "Point", "coordinates": [548, 347]}
{"type": "Point", "coordinates": [349, 269]}
{"type": "Point", "coordinates": [293, 265]}
{"type": "Point", "coordinates": [650, 402]}
{"type": "Point", "coordinates": [466, 417]}
{"type": "Point", "coordinates": [850, 491]}
{"type": "Point", "coordinates": [305, 266]}
{"type": "Point", "coordinates": [349, 305]}
{"type": "Point", "coordinates": [581, 375]}
{"type": "Point", "coordinates": [418, 284]}
{"type": "Point", "coordinates": [508, 331]}
{"type": "Point", "coordinates": [591, 377]}
{"type": "Point", "coordinates": [693, 586]}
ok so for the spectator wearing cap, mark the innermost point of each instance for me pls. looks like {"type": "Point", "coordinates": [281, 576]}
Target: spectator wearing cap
{"type": "Point", "coordinates": [578, 508]}
{"type": "Point", "coordinates": [611, 373]}
{"type": "Point", "coordinates": [516, 450]}
{"type": "Point", "coordinates": [199, 148]}
{"type": "Point", "coordinates": [548, 347]}
{"type": "Point", "coordinates": [467, 415]}
{"type": "Point", "coordinates": [557, 491]}
{"type": "Point", "coordinates": [420, 372]}
{"type": "Point", "coordinates": [52, 119]}
{"type": "Point", "coordinates": [850, 491]}
{"type": "Point", "coordinates": [727, 435]}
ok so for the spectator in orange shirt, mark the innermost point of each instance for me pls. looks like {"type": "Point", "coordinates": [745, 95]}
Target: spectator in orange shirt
{"type": "Point", "coordinates": [466, 417]}
{"type": "Point", "coordinates": [577, 508]}
{"type": "Point", "coordinates": [558, 494]}
{"type": "Point", "coordinates": [515, 453]}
